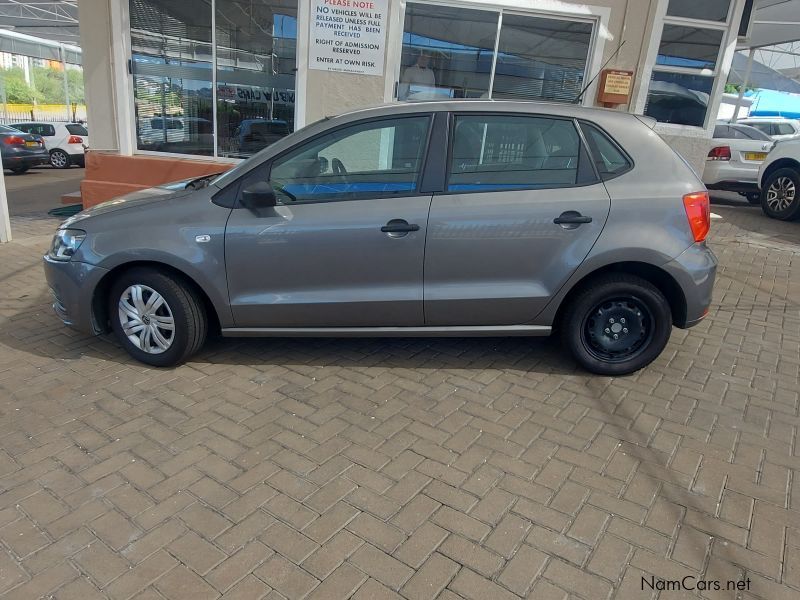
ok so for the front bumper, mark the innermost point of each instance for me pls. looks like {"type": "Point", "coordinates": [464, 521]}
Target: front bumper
{"type": "Point", "coordinates": [73, 285]}
{"type": "Point", "coordinates": [695, 271]}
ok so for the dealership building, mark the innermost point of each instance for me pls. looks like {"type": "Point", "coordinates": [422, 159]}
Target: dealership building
{"type": "Point", "coordinates": [178, 87]}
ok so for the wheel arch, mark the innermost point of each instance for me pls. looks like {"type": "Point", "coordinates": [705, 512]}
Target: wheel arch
{"type": "Point", "coordinates": [782, 163]}
{"type": "Point", "coordinates": [655, 275]}
{"type": "Point", "coordinates": [99, 309]}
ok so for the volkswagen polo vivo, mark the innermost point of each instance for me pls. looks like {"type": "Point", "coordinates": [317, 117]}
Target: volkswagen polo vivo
{"type": "Point", "coordinates": [471, 218]}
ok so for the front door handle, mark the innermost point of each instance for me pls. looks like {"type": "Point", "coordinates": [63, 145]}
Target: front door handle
{"type": "Point", "coordinates": [571, 217]}
{"type": "Point", "coordinates": [399, 227]}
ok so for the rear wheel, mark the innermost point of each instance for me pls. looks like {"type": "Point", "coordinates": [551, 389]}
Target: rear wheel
{"type": "Point", "coordinates": [779, 198]}
{"type": "Point", "coordinates": [617, 324]}
{"type": "Point", "coordinates": [59, 159]}
{"type": "Point", "coordinates": [157, 318]}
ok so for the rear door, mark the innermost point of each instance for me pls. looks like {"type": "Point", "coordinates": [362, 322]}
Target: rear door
{"type": "Point", "coordinates": [521, 208]}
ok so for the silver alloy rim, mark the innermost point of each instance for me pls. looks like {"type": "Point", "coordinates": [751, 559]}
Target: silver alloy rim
{"type": "Point", "coordinates": [146, 319]}
{"type": "Point", "coordinates": [781, 194]}
{"type": "Point", "coordinates": [57, 159]}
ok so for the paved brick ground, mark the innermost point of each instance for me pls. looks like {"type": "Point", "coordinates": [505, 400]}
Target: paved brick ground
{"type": "Point", "coordinates": [482, 469]}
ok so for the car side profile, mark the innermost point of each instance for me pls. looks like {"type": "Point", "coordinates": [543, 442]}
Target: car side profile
{"type": "Point", "coordinates": [66, 142]}
{"type": "Point", "coordinates": [457, 218]}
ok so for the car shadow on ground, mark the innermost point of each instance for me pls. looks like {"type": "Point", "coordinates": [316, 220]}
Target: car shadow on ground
{"type": "Point", "coordinates": [47, 337]}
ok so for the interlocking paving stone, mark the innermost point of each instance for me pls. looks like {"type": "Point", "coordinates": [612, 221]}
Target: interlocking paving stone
{"type": "Point", "coordinates": [394, 468]}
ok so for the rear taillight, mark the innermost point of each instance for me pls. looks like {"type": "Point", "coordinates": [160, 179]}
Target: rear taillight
{"type": "Point", "coordinates": [75, 139]}
{"type": "Point", "coordinates": [13, 140]}
{"type": "Point", "coordinates": [720, 153]}
{"type": "Point", "coordinates": [698, 212]}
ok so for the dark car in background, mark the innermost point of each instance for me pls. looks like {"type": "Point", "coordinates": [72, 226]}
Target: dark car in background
{"type": "Point", "coordinates": [21, 150]}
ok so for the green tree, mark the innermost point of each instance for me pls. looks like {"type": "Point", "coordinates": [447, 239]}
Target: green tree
{"type": "Point", "coordinates": [17, 89]}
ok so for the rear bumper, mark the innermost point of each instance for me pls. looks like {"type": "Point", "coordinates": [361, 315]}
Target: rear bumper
{"type": "Point", "coordinates": [743, 186]}
{"type": "Point", "coordinates": [25, 160]}
{"type": "Point", "coordinates": [695, 271]}
{"type": "Point", "coordinates": [72, 285]}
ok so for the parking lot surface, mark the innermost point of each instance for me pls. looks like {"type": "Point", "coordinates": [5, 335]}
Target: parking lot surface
{"type": "Point", "coordinates": [479, 469]}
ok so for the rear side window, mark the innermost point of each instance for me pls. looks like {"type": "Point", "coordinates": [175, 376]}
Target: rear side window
{"type": "Point", "coordinates": [508, 152]}
{"type": "Point", "coordinates": [77, 129]}
{"type": "Point", "coordinates": [722, 132]}
{"type": "Point", "coordinates": [608, 157]}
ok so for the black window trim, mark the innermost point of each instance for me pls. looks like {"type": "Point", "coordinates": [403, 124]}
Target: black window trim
{"type": "Point", "coordinates": [220, 199]}
{"type": "Point", "coordinates": [583, 156]}
{"type": "Point", "coordinates": [614, 142]}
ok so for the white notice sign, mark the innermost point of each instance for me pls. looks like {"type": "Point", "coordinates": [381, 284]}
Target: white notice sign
{"type": "Point", "coordinates": [348, 36]}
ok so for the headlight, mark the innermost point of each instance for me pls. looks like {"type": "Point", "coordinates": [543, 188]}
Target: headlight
{"type": "Point", "coordinates": [66, 243]}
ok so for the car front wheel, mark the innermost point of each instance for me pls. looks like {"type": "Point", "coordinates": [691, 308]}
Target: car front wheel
{"type": "Point", "coordinates": [59, 159]}
{"type": "Point", "coordinates": [779, 197]}
{"type": "Point", "coordinates": [157, 318]}
{"type": "Point", "coordinates": [617, 324]}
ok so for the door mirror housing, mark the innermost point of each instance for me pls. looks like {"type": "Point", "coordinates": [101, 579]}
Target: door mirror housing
{"type": "Point", "coordinates": [259, 195]}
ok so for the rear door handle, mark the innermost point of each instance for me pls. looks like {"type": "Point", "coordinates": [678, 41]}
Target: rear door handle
{"type": "Point", "coordinates": [399, 226]}
{"type": "Point", "coordinates": [571, 218]}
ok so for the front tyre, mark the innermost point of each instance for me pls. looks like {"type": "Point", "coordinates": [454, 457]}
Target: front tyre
{"type": "Point", "coordinates": [779, 197]}
{"type": "Point", "coordinates": [157, 318]}
{"type": "Point", "coordinates": [617, 324]}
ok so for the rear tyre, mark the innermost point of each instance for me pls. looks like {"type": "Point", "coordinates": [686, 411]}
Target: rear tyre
{"type": "Point", "coordinates": [59, 159]}
{"type": "Point", "coordinates": [19, 170]}
{"type": "Point", "coordinates": [617, 324]}
{"type": "Point", "coordinates": [157, 318]}
{"type": "Point", "coordinates": [753, 197]}
{"type": "Point", "coordinates": [779, 196]}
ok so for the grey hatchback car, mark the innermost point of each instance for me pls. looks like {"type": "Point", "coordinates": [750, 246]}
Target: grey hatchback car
{"type": "Point", "coordinates": [470, 218]}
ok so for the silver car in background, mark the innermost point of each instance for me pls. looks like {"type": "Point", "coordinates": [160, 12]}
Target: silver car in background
{"type": "Point", "coordinates": [470, 218]}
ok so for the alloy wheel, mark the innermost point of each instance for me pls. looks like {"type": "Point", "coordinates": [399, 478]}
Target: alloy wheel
{"type": "Point", "coordinates": [146, 319]}
{"type": "Point", "coordinates": [781, 194]}
{"type": "Point", "coordinates": [58, 160]}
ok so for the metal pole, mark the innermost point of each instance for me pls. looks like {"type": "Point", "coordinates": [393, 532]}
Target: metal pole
{"type": "Point", "coordinates": [5, 221]}
{"type": "Point", "coordinates": [66, 79]}
{"type": "Point", "coordinates": [747, 72]}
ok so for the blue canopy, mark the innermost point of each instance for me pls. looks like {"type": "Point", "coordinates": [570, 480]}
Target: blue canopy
{"type": "Point", "coordinates": [769, 103]}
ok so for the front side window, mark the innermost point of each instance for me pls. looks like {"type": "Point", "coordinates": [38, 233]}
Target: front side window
{"type": "Point", "coordinates": [508, 152]}
{"type": "Point", "coordinates": [785, 129]}
{"type": "Point", "coordinates": [377, 159]}
{"type": "Point", "coordinates": [687, 63]}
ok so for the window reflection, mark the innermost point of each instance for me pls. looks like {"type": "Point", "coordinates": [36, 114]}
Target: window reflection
{"type": "Point", "coordinates": [679, 98]}
{"type": "Point", "coordinates": [689, 47]}
{"type": "Point", "coordinates": [256, 58]}
{"type": "Point", "coordinates": [541, 58]}
{"type": "Point", "coordinates": [447, 52]}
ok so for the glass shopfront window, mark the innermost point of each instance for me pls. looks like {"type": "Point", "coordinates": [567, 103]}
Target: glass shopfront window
{"type": "Point", "coordinates": [256, 50]}
{"type": "Point", "coordinates": [173, 62]}
{"type": "Point", "coordinates": [474, 53]}
{"type": "Point", "coordinates": [687, 64]}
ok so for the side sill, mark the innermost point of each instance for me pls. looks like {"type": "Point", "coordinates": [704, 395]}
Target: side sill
{"type": "Point", "coordinates": [454, 331]}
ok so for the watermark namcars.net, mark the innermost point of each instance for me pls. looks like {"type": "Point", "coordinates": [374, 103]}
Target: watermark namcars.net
{"type": "Point", "coordinates": [692, 583]}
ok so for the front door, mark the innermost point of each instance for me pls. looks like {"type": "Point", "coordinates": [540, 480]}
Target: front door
{"type": "Point", "coordinates": [345, 245]}
{"type": "Point", "coordinates": [521, 210]}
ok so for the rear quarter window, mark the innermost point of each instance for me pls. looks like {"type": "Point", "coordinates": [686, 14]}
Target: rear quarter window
{"type": "Point", "coordinates": [77, 129]}
{"type": "Point", "coordinates": [609, 158]}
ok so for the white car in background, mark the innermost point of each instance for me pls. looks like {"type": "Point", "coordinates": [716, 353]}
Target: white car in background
{"type": "Point", "coordinates": [66, 142]}
{"type": "Point", "coordinates": [777, 128]}
{"type": "Point", "coordinates": [734, 160]}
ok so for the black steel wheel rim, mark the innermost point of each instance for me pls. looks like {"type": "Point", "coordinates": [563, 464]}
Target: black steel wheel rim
{"type": "Point", "coordinates": [618, 329]}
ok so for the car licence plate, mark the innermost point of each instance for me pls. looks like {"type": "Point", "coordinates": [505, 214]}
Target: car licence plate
{"type": "Point", "coordinates": [760, 156]}
{"type": "Point", "coordinates": [31, 144]}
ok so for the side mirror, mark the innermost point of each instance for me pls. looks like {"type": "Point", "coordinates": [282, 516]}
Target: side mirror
{"type": "Point", "coordinates": [258, 195]}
